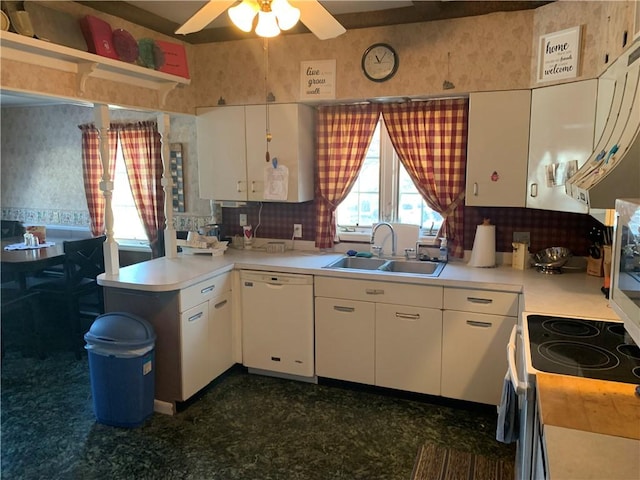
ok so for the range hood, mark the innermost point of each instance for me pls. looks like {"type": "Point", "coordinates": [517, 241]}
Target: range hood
{"type": "Point", "coordinates": [613, 169]}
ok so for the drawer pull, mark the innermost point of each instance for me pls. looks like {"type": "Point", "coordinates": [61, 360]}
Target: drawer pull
{"type": "Point", "coordinates": [408, 316]}
{"type": "Point", "coordinates": [374, 291]}
{"type": "Point", "coordinates": [195, 317]}
{"type": "Point", "coordinates": [207, 289]}
{"type": "Point", "coordinates": [340, 308]}
{"type": "Point", "coordinates": [483, 301]}
{"type": "Point", "coordinates": [475, 323]}
{"type": "Point", "coordinates": [220, 304]}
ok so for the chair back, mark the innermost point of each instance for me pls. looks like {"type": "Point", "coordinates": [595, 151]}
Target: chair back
{"type": "Point", "coordinates": [84, 260]}
{"type": "Point", "coordinates": [11, 228]}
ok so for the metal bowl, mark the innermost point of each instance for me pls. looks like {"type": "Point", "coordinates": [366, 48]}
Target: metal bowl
{"type": "Point", "coordinates": [552, 258]}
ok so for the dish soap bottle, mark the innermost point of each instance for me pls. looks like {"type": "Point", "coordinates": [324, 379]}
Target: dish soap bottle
{"type": "Point", "coordinates": [444, 251]}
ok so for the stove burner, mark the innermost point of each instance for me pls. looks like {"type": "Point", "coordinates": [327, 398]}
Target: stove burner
{"type": "Point", "coordinates": [617, 328]}
{"type": "Point", "coordinates": [636, 371]}
{"type": "Point", "coordinates": [630, 351]}
{"type": "Point", "coordinates": [578, 355]}
{"type": "Point", "coordinates": [570, 328]}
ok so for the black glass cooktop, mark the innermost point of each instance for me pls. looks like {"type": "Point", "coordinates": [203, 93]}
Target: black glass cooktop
{"type": "Point", "coordinates": [583, 348]}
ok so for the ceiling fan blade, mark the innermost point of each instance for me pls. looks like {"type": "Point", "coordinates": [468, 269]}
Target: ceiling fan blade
{"type": "Point", "coordinates": [203, 17]}
{"type": "Point", "coordinates": [317, 19]}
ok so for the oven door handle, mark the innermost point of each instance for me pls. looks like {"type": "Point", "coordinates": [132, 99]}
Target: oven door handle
{"type": "Point", "coordinates": [519, 386]}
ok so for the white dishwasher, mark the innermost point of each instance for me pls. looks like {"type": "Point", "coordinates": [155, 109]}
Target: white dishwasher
{"type": "Point", "coordinates": [277, 322]}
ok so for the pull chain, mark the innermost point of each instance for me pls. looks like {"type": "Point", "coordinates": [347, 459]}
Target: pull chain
{"type": "Point", "coordinates": [266, 88]}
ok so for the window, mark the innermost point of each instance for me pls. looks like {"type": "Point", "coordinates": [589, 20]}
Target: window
{"type": "Point", "coordinates": [127, 224]}
{"type": "Point", "coordinates": [384, 192]}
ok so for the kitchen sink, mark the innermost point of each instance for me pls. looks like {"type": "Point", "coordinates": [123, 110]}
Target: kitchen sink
{"type": "Point", "coordinates": [359, 263]}
{"type": "Point", "coordinates": [414, 267]}
{"type": "Point", "coordinates": [422, 268]}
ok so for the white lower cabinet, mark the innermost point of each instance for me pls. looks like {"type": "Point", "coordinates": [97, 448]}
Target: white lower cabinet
{"type": "Point", "coordinates": [194, 348]}
{"type": "Point", "coordinates": [345, 339]}
{"type": "Point", "coordinates": [393, 341]}
{"type": "Point", "coordinates": [407, 348]}
{"type": "Point", "coordinates": [220, 333]}
{"type": "Point", "coordinates": [473, 343]}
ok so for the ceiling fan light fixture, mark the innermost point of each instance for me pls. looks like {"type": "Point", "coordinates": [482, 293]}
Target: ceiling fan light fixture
{"type": "Point", "coordinates": [267, 24]}
{"type": "Point", "coordinates": [242, 15]}
{"type": "Point", "coordinates": [287, 15]}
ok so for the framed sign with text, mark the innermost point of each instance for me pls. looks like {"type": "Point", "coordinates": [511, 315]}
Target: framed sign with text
{"type": "Point", "coordinates": [559, 55]}
{"type": "Point", "coordinates": [318, 80]}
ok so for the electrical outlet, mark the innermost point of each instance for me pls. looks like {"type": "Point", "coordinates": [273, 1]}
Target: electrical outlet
{"type": "Point", "coordinates": [522, 237]}
{"type": "Point", "coordinates": [243, 219]}
{"type": "Point", "coordinates": [297, 230]}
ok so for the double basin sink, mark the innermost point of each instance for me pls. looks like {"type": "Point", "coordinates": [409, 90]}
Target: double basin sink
{"type": "Point", "coordinates": [415, 267]}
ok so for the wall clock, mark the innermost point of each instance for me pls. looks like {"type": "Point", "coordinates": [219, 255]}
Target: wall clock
{"type": "Point", "coordinates": [379, 62]}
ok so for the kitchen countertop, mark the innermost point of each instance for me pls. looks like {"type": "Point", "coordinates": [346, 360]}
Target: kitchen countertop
{"type": "Point", "coordinates": [572, 293]}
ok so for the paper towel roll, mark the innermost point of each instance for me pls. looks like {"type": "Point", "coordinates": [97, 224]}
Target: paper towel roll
{"type": "Point", "coordinates": [483, 253]}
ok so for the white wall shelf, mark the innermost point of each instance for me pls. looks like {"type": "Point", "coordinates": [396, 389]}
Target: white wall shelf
{"type": "Point", "coordinates": [40, 52]}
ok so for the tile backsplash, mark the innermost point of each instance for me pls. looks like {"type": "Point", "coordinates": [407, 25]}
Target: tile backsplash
{"type": "Point", "coordinates": [547, 228]}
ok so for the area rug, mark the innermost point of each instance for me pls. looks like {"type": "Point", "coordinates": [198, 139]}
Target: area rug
{"type": "Point", "coordinates": [434, 462]}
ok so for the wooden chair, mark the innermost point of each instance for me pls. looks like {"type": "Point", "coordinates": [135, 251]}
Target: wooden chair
{"type": "Point", "coordinates": [17, 302]}
{"type": "Point", "coordinates": [78, 288]}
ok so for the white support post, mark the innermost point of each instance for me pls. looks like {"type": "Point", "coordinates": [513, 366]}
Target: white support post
{"type": "Point", "coordinates": [111, 254]}
{"type": "Point", "coordinates": [170, 243]}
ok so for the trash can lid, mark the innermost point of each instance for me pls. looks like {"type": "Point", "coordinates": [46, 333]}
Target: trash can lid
{"type": "Point", "coordinates": [120, 330]}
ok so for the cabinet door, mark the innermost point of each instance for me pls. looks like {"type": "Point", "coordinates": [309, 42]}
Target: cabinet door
{"type": "Point", "coordinates": [408, 348]}
{"type": "Point", "coordinates": [497, 148]}
{"type": "Point", "coordinates": [292, 131]}
{"type": "Point", "coordinates": [474, 361]}
{"type": "Point", "coordinates": [220, 334]}
{"type": "Point", "coordinates": [560, 141]}
{"type": "Point", "coordinates": [194, 347]}
{"type": "Point", "coordinates": [222, 160]}
{"type": "Point", "coordinates": [345, 339]}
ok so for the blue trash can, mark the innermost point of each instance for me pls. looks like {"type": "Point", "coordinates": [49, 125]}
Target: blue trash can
{"type": "Point", "coordinates": [120, 348]}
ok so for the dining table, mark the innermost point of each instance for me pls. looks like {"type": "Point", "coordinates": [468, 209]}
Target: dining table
{"type": "Point", "coordinates": [28, 261]}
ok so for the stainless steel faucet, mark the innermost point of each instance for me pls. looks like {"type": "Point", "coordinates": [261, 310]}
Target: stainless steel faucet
{"type": "Point", "coordinates": [393, 236]}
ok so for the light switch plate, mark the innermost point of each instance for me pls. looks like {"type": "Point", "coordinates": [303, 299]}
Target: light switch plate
{"type": "Point", "coordinates": [243, 219]}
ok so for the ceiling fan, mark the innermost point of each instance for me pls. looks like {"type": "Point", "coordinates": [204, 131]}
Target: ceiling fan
{"type": "Point", "coordinates": [314, 16]}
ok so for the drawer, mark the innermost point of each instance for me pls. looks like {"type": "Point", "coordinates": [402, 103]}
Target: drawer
{"type": "Point", "coordinates": [205, 290]}
{"type": "Point", "coordinates": [379, 292]}
{"type": "Point", "coordinates": [481, 301]}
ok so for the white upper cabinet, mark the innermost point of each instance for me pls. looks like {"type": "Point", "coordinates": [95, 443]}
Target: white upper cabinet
{"type": "Point", "coordinates": [232, 148]}
{"type": "Point", "coordinates": [497, 148]}
{"type": "Point", "coordinates": [561, 139]}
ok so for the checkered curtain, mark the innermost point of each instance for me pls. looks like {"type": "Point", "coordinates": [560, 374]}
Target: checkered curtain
{"type": "Point", "coordinates": [142, 152]}
{"type": "Point", "coordinates": [92, 173]}
{"type": "Point", "coordinates": [431, 140]}
{"type": "Point", "coordinates": [343, 136]}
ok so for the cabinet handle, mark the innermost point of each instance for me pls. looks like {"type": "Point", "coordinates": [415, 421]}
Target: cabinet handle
{"type": "Point", "coordinates": [344, 309]}
{"type": "Point", "coordinates": [195, 317]}
{"type": "Point", "coordinates": [408, 316]}
{"type": "Point", "coordinates": [475, 189]}
{"type": "Point", "coordinates": [475, 323]}
{"type": "Point", "coordinates": [534, 190]}
{"type": "Point", "coordinates": [220, 304]}
{"type": "Point", "coordinates": [483, 301]}
{"type": "Point", "coordinates": [374, 291]}
{"type": "Point", "coordinates": [238, 183]}
{"type": "Point", "coordinates": [207, 289]}
{"type": "Point", "coordinates": [253, 186]}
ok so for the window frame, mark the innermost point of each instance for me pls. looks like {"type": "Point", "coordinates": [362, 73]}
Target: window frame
{"type": "Point", "coordinates": [388, 195]}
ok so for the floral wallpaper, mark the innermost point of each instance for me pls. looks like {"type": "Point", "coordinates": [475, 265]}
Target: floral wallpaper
{"type": "Point", "coordinates": [40, 160]}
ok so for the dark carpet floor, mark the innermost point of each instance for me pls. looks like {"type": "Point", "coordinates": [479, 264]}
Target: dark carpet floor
{"type": "Point", "coordinates": [242, 426]}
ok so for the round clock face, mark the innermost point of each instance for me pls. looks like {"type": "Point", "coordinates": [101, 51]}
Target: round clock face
{"type": "Point", "coordinates": [379, 62]}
